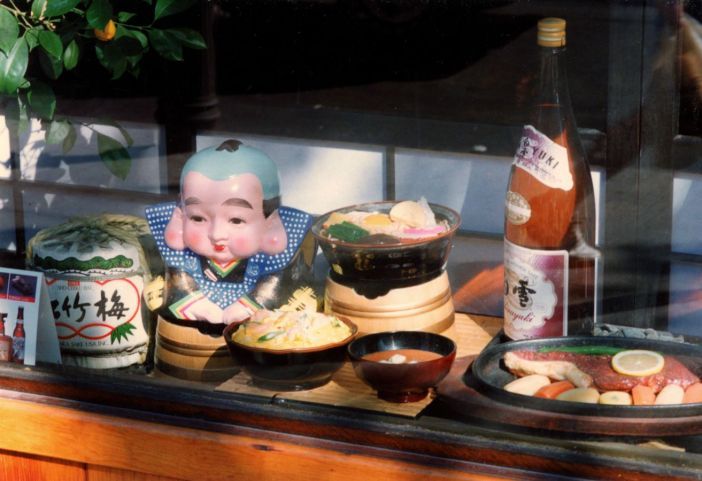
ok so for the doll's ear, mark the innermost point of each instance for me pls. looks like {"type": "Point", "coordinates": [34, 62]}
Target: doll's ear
{"type": "Point", "coordinates": [275, 239]}
{"type": "Point", "coordinates": [174, 231]}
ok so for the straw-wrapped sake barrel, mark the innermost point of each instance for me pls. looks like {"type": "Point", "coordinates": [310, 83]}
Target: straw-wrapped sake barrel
{"type": "Point", "coordinates": [95, 271]}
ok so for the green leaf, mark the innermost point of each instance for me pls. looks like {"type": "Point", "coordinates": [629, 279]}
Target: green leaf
{"type": "Point", "coordinates": [51, 43]}
{"type": "Point", "coordinates": [122, 331]}
{"type": "Point", "coordinates": [122, 130]}
{"type": "Point", "coordinates": [139, 36]}
{"type": "Point", "coordinates": [171, 7]}
{"type": "Point", "coordinates": [128, 44]}
{"type": "Point", "coordinates": [16, 116]}
{"type": "Point", "coordinates": [39, 8]}
{"type": "Point", "coordinates": [32, 37]}
{"type": "Point", "coordinates": [114, 155]}
{"type": "Point", "coordinates": [134, 62]}
{"type": "Point", "coordinates": [125, 16]}
{"type": "Point", "coordinates": [189, 37]}
{"type": "Point", "coordinates": [112, 58]}
{"type": "Point", "coordinates": [71, 55]}
{"type": "Point", "coordinates": [58, 131]}
{"type": "Point", "coordinates": [13, 66]}
{"type": "Point", "coordinates": [52, 67]}
{"type": "Point", "coordinates": [99, 13]}
{"type": "Point", "coordinates": [166, 44]}
{"type": "Point", "coordinates": [9, 30]}
{"type": "Point", "coordinates": [70, 139]}
{"type": "Point", "coordinates": [52, 8]}
{"type": "Point", "coordinates": [42, 100]}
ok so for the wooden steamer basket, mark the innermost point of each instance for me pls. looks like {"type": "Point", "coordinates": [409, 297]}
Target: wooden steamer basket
{"type": "Point", "coordinates": [194, 350]}
{"type": "Point", "coordinates": [390, 286]}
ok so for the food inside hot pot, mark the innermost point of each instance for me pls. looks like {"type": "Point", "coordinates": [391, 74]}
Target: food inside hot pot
{"type": "Point", "coordinates": [291, 330]}
{"type": "Point", "coordinates": [604, 375]}
{"type": "Point", "coordinates": [407, 220]}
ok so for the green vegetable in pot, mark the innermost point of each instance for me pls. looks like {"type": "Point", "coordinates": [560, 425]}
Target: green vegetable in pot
{"type": "Point", "coordinates": [588, 350]}
{"type": "Point", "coordinates": [269, 335]}
{"type": "Point", "coordinates": [347, 232]}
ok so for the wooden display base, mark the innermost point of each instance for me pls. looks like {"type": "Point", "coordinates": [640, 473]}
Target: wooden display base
{"type": "Point", "coordinates": [425, 307]}
{"type": "Point", "coordinates": [471, 334]}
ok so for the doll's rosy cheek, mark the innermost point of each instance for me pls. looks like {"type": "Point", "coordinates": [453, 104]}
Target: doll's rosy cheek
{"type": "Point", "coordinates": [173, 237]}
{"type": "Point", "coordinates": [243, 246]}
{"type": "Point", "coordinates": [193, 239]}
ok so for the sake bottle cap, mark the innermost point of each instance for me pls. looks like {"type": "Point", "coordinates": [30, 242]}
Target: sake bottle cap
{"type": "Point", "coordinates": [551, 32]}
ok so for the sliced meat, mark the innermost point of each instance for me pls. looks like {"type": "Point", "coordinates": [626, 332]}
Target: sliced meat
{"type": "Point", "coordinates": [607, 379]}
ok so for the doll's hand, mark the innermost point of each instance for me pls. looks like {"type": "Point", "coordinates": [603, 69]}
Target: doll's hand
{"type": "Point", "coordinates": [235, 312]}
{"type": "Point", "coordinates": [204, 310]}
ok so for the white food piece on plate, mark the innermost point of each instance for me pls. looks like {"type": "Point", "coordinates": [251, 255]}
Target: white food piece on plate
{"type": "Point", "coordinates": [527, 385]}
{"type": "Point", "coordinates": [556, 370]}
{"type": "Point", "coordinates": [618, 398]}
{"type": "Point", "coordinates": [588, 395]}
{"type": "Point", "coordinates": [671, 394]}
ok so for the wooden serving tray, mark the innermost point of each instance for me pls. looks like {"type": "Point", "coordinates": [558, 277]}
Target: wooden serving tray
{"type": "Point", "coordinates": [458, 392]}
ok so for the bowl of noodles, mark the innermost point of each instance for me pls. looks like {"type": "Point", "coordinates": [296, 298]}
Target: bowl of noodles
{"type": "Point", "coordinates": [386, 244]}
{"type": "Point", "coordinates": [290, 350]}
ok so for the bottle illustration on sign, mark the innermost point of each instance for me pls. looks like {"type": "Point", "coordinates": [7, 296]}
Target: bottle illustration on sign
{"type": "Point", "coordinates": [18, 338]}
{"type": "Point", "coordinates": [5, 340]}
{"type": "Point", "coordinates": [549, 253]}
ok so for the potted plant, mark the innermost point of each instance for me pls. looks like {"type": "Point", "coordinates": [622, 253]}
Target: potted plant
{"type": "Point", "coordinates": [57, 35]}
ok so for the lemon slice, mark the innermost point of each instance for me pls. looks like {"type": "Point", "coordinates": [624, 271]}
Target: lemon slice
{"type": "Point", "coordinates": [637, 362]}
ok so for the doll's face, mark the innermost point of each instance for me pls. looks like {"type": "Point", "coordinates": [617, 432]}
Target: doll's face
{"type": "Point", "coordinates": [223, 219]}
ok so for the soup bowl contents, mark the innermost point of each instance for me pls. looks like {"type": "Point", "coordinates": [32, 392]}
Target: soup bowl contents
{"type": "Point", "coordinates": [404, 221]}
{"type": "Point", "coordinates": [290, 351]}
{"type": "Point", "coordinates": [406, 241]}
{"type": "Point", "coordinates": [402, 366]}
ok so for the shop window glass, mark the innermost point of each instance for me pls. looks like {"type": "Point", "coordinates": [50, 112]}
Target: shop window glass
{"type": "Point", "coordinates": [318, 177]}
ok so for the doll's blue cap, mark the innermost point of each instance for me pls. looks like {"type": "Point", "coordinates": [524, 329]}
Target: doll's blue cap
{"type": "Point", "coordinates": [234, 158]}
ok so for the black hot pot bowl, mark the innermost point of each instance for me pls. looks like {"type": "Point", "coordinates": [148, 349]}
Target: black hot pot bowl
{"type": "Point", "coordinates": [373, 259]}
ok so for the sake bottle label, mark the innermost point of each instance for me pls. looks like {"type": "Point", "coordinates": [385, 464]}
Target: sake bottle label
{"type": "Point", "coordinates": [544, 159]}
{"type": "Point", "coordinates": [536, 292]}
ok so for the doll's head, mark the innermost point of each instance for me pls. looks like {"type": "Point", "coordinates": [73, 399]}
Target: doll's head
{"type": "Point", "coordinates": [229, 196]}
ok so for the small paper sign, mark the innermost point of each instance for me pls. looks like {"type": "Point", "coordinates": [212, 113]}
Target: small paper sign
{"type": "Point", "coordinates": [30, 332]}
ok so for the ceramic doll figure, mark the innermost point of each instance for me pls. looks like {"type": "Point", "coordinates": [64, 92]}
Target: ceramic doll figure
{"type": "Point", "coordinates": [228, 245]}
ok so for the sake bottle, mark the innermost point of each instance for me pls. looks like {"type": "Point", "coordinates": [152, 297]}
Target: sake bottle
{"type": "Point", "coordinates": [549, 247]}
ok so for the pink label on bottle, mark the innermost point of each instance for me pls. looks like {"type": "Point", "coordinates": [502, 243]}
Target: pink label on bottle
{"type": "Point", "coordinates": [536, 293]}
{"type": "Point", "coordinates": [544, 159]}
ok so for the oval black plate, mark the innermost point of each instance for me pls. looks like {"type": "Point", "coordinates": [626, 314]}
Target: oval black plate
{"type": "Point", "coordinates": [489, 375]}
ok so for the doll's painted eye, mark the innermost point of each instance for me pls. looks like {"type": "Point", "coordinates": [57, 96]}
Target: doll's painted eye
{"type": "Point", "coordinates": [236, 221]}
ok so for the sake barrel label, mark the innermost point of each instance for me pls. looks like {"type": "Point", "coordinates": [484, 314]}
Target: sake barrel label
{"type": "Point", "coordinates": [544, 159]}
{"type": "Point", "coordinates": [98, 315]}
{"type": "Point", "coordinates": [536, 293]}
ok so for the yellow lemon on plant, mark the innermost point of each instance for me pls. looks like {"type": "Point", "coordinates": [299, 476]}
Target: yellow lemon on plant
{"type": "Point", "coordinates": [108, 33]}
{"type": "Point", "coordinates": [638, 362]}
